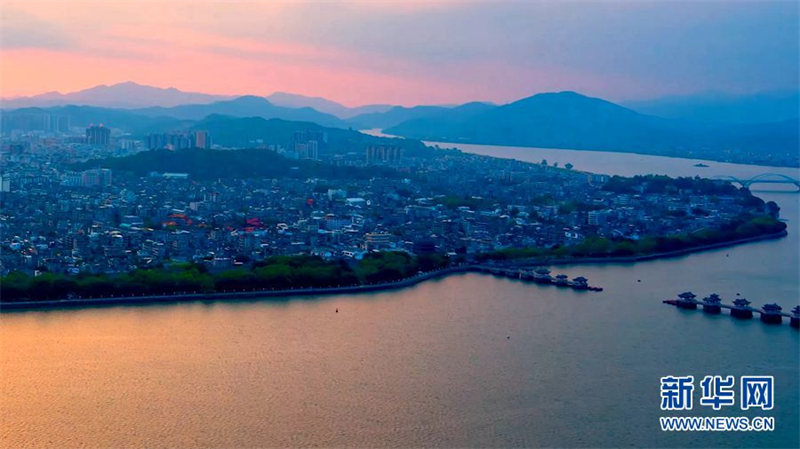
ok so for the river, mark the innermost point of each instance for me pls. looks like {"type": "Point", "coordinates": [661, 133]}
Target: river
{"type": "Point", "coordinates": [468, 360]}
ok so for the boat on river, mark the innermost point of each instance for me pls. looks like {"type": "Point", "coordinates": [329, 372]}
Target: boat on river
{"type": "Point", "coordinates": [542, 276]}
{"type": "Point", "coordinates": [561, 280]}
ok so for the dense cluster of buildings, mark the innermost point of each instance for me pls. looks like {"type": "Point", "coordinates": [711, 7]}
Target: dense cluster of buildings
{"type": "Point", "coordinates": [98, 135]}
{"type": "Point", "coordinates": [178, 140]}
{"type": "Point", "coordinates": [62, 220]}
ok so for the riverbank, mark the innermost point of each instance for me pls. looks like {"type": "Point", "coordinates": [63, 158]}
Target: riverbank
{"type": "Point", "coordinates": [552, 261]}
{"type": "Point", "coordinates": [780, 164]}
{"type": "Point", "coordinates": [365, 288]}
{"type": "Point", "coordinates": [215, 296]}
{"type": "Point", "coordinates": [466, 146]}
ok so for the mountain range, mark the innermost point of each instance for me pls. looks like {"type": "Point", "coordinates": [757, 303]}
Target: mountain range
{"type": "Point", "coordinates": [121, 95]}
{"type": "Point", "coordinates": [574, 121]}
{"type": "Point", "coordinates": [130, 95]}
{"type": "Point", "coordinates": [324, 105]}
{"type": "Point", "coordinates": [246, 106]}
{"type": "Point", "coordinates": [709, 107]}
{"type": "Point", "coordinates": [757, 129]}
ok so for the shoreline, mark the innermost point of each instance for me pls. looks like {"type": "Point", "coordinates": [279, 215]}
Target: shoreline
{"type": "Point", "coordinates": [644, 257]}
{"type": "Point", "coordinates": [403, 283]}
{"type": "Point", "coordinates": [217, 296]}
{"type": "Point", "coordinates": [378, 132]}
{"type": "Point", "coordinates": [439, 143]}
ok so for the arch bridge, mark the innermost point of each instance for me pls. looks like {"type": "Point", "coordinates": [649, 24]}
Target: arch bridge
{"type": "Point", "coordinates": [764, 178]}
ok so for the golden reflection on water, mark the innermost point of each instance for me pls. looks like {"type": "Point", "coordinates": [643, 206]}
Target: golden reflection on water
{"type": "Point", "coordinates": [470, 360]}
{"type": "Point", "coordinates": [234, 374]}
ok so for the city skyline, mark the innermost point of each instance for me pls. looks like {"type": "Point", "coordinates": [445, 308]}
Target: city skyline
{"type": "Point", "coordinates": [410, 53]}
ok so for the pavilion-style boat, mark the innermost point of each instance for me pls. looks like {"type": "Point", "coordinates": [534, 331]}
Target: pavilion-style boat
{"type": "Point", "coordinates": [741, 308]}
{"type": "Point", "coordinates": [580, 283]}
{"type": "Point", "coordinates": [686, 300]}
{"type": "Point", "coordinates": [562, 280]}
{"type": "Point", "coordinates": [712, 304]}
{"type": "Point", "coordinates": [526, 275]}
{"type": "Point", "coordinates": [771, 313]}
{"type": "Point", "coordinates": [542, 275]}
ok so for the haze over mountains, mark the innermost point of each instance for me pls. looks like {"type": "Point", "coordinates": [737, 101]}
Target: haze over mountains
{"type": "Point", "coordinates": [324, 105]}
{"type": "Point", "coordinates": [761, 128]}
{"type": "Point", "coordinates": [573, 121]}
{"type": "Point", "coordinates": [246, 106]}
{"type": "Point", "coordinates": [121, 95]}
{"type": "Point", "coordinates": [713, 107]}
{"type": "Point", "coordinates": [719, 107]}
{"type": "Point", "coordinates": [130, 95]}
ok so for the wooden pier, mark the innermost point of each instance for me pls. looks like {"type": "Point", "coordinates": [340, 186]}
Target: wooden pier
{"type": "Point", "coordinates": [741, 308]}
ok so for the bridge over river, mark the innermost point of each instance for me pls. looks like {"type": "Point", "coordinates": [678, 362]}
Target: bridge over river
{"type": "Point", "coordinates": [764, 178]}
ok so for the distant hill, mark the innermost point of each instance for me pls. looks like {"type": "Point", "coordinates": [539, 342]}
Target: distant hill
{"type": "Point", "coordinates": [122, 95]}
{"type": "Point", "coordinates": [249, 131]}
{"type": "Point", "coordinates": [323, 105]}
{"type": "Point", "coordinates": [400, 114]}
{"type": "Point", "coordinates": [122, 119]}
{"type": "Point", "coordinates": [236, 132]}
{"type": "Point", "coordinates": [724, 108]}
{"type": "Point", "coordinates": [442, 120]}
{"type": "Point", "coordinates": [158, 119]}
{"type": "Point", "coordinates": [131, 95]}
{"type": "Point", "coordinates": [550, 120]}
{"type": "Point", "coordinates": [570, 120]}
{"type": "Point", "coordinates": [762, 129]}
{"type": "Point", "coordinates": [247, 106]}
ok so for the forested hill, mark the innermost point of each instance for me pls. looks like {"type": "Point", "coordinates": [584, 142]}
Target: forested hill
{"type": "Point", "coordinates": [248, 131]}
{"type": "Point", "coordinates": [246, 163]}
{"type": "Point", "coordinates": [573, 121]}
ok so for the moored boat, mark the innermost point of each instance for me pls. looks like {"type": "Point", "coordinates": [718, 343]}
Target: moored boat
{"type": "Point", "coordinates": [562, 280]}
{"type": "Point", "coordinates": [580, 283]}
{"type": "Point", "coordinates": [542, 275]}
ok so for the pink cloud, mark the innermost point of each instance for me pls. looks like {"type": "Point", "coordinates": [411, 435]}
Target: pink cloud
{"type": "Point", "coordinates": [404, 52]}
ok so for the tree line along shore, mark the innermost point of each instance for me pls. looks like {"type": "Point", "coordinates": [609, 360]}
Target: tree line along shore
{"type": "Point", "coordinates": [281, 273]}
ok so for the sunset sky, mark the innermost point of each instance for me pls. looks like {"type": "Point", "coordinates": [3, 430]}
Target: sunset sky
{"type": "Point", "coordinates": [401, 52]}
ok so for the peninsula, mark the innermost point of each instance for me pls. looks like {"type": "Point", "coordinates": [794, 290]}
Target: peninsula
{"type": "Point", "coordinates": [306, 211]}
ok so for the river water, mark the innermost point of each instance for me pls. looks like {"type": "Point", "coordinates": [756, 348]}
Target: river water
{"type": "Point", "coordinates": [468, 360]}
